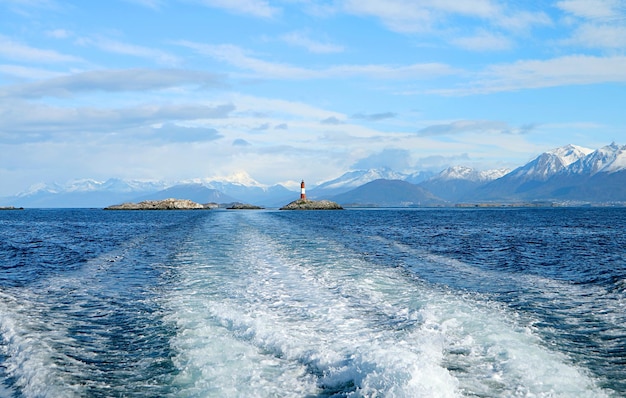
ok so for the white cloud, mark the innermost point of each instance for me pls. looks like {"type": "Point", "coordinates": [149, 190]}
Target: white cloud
{"type": "Point", "coordinates": [427, 16]}
{"type": "Point", "coordinates": [288, 109]}
{"type": "Point", "coordinates": [483, 41]}
{"type": "Point", "coordinates": [154, 4]}
{"type": "Point", "coordinates": [59, 33]}
{"type": "Point", "coordinates": [117, 47]}
{"type": "Point", "coordinates": [43, 121]}
{"type": "Point", "coordinates": [391, 158]}
{"type": "Point", "coordinates": [138, 79]}
{"type": "Point", "coordinates": [474, 126]}
{"type": "Point", "coordinates": [375, 117]}
{"type": "Point", "coordinates": [256, 8]}
{"type": "Point", "coordinates": [11, 49]}
{"type": "Point", "coordinates": [237, 57]}
{"type": "Point", "coordinates": [521, 21]}
{"type": "Point", "coordinates": [413, 71]}
{"type": "Point", "coordinates": [25, 72]}
{"type": "Point", "coordinates": [591, 9]}
{"type": "Point", "coordinates": [596, 24]}
{"type": "Point", "coordinates": [299, 39]}
{"type": "Point", "coordinates": [398, 15]}
{"type": "Point", "coordinates": [532, 74]}
{"type": "Point", "coordinates": [171, 132]}
{"type": "Point", "coordinates": [599, 36]}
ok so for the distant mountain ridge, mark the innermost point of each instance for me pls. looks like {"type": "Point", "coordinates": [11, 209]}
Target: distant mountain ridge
{"type": "Point", "coordinates": [567, 173]}
{"type": "Point", "coordinates": [388, 193]}
{"type": "Point", "coordinates": [353, 179]}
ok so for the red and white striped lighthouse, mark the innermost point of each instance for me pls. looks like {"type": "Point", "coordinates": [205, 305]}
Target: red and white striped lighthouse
{"type": "Point", "coordinates": [302, 191]}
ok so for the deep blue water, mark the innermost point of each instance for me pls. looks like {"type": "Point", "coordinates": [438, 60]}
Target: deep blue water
{"type": "Point", "coordinates": [372, 303]}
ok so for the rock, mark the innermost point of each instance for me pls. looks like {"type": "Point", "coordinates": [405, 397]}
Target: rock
{"type": "Point", "coordinates": [305, 204]}
{"type": "Point", "coordinates": [11, 208]}
{"type": "Point", "coordinates": [165, 204]}
{"type": "Point", "coordinates": [243, 206]}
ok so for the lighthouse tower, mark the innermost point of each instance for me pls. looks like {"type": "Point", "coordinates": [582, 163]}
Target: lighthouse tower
{"type": "Point", "coordinates": [302, 191]}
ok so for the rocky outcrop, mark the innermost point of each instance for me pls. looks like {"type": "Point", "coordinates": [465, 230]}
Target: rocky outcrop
{"type": "Point", "coordinates": [165, 204]}
{"type": "Point", "coordinates": [11, 208]}
{"type": "Point", "coordinates": [243, 206]}
{"type": "Point", "coordinates": [304, 204]}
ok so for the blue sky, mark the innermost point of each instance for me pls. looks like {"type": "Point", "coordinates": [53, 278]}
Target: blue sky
{"type": "Point", "coordinates": [292, 89]}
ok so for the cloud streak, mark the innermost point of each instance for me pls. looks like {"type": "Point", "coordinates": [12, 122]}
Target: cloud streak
{"type": "Point", "coordinates": [13, 50]}
{"type": "Point", "coordinates": [535, 74]}
{"type": "Point", "coordinates": [238, 58]}
{"type": "Point", "coordinates": [427, 17]}
{"type": "Point", "coordinates": [299, 39]}
{"type": "Point", "coordinates": [113, 46]}
{"type": "Point", "coordinates": [139, 79]}
{"type": "Point", "coordinates": [255, 8]}
{"type": "Point", "coordinates": [473, 126]}
{"type": "Point", "coordinates": [47, 120]}
{"type": "Point", "coordinates": [171, 132]}
{"type": "Point", "coordinates": [374, 117]}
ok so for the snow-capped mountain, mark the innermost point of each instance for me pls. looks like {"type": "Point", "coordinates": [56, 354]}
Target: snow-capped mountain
{"type": "Point", "coordinates": [196, 192]}
{"type": "Point", "coordinates": [566, 173]}
{"type": "Point", "coordinates": [469, 174]}
{"type": "Point", "coordinates": [93, 193]}
{"type": "Point", "coordinates": [550, 163]}
{"type": "Point", "coordinates": [388, 193]}
{"type": "Point", "coordinates": [419, 176]}
{"type": "Point", "coordinates": [610, 158]}
{"type": "Point", "coordinates": [243, 188]}
{"type": "Point", "coordinates": [83, 193]}
{"type": "Point", "coordinates": [90, 185]}
{"type": "Point", "coordinates": [457, 183]}
{"type": "Point", "coordinates": [353, 179]}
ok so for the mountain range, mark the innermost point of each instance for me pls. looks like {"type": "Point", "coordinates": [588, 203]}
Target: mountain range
{"type": "Point", "coordinates": [568, 174]}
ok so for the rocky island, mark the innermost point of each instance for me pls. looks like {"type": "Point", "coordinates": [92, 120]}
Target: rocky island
{"type": "Point", "coordinates": [305, 204]}
{"type": "Point", "coordinates": [243, 206]}
{"type": "Point", "coordinates": [165, 204]}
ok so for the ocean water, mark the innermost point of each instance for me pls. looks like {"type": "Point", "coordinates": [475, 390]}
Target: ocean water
{"type": "Point", "coordinates": [355, 303]}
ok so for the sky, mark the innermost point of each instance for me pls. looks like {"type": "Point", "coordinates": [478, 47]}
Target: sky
{"type": "Point", "coordinates": [300, 89]}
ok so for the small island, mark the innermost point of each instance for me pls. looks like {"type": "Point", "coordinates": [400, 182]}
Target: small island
{"type": "Point", "coordinates": [243, 206]}
{"type": "Point", "coordinates": [11, 208]}
{"type": "Point", "coordinates": [165, 204]}
{"type": "Point", "coordinates": [304, 204]}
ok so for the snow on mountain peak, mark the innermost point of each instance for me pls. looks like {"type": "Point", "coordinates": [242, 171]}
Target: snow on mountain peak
{"type": "Point", "coordinates": [569, 154]}
{"type": "Point", "coordinates": [494, 174]}
{"type": "Point", "coordinates": [40, 187]}
{"type": "Point", "coordinates": [467, 173]}
{"type": "Point", "coordinates": [359, 177]}
{"type": "Point", "coordinates": [610, 158]}
{"type": "Point", "coordinates": [238, 178]}
{"type": "Point", "coordinates": [552, 162]}
{"type": "Point", "coordinates": [619, 163]}
{"type": "Point", "coordinates": [457, 173]}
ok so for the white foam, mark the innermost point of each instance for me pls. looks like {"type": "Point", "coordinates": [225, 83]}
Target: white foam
{"type": "Point", "coordinates": [28, 343]}
{"type": "Point", "coordinates": [307, 321]}
{"type": "Point", "coordinates": [307, 316]}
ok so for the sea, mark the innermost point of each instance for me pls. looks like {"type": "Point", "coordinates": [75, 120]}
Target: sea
{"type": "Point", "coordinates": [449, 302]}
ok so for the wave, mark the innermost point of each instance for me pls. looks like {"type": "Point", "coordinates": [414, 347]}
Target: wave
{"type": "Point", "coordinates": [334, 324]}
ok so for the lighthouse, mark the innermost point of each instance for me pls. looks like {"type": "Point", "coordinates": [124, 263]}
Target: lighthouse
{"type": "Point", "coordinates": [302, 191]}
